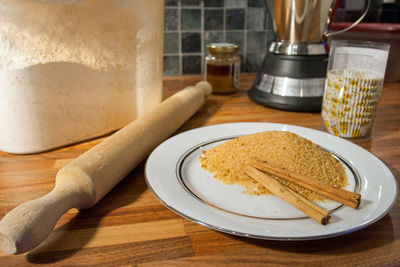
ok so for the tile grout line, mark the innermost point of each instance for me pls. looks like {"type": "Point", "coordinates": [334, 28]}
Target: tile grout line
{"type": "Point", "coordinates": [244, 53]}
{"type": "Point", "coordinates": [180, 59]}
{"type": "Point", "coordinates": [202, 43]}
{"type": "Point", "coordinates": [224, 24]}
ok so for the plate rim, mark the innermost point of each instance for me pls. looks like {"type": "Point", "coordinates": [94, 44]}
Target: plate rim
{"type": "Point", "coordinates": [356, 227]}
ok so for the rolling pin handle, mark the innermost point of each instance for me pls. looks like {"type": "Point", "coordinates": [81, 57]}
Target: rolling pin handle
{"type": "Point", "coordinates": [30, 223]}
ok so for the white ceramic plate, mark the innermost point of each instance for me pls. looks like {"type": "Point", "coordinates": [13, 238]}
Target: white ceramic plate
{"type": "Point", "coordinates": [174, 175]}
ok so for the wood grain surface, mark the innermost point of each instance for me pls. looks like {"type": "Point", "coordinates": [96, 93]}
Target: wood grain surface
{"type": "Point", "coordinates": [130, 227]}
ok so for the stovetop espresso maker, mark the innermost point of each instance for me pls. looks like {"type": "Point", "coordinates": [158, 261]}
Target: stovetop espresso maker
{"type": "Point", "coordinates": [292, 76]}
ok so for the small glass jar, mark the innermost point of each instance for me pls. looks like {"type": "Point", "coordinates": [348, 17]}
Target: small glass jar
{"type": "Point", "coordinates": [222, 67]}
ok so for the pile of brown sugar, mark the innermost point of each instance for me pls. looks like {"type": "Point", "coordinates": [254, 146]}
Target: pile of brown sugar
{"type": "Point", "coordinates": [228, 161]}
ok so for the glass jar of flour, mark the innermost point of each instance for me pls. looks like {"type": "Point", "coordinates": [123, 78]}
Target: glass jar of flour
{"type": "Point", "coordinates": [71, 70]}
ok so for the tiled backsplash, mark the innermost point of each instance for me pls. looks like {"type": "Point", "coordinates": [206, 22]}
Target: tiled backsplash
{"type": "Point", "coordinates": [192, 24]}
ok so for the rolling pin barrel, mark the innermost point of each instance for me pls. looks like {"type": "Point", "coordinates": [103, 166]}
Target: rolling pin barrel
{"type": "Point", "coordinates": [84, 181]}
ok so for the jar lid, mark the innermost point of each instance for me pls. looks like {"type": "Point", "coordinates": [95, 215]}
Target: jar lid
{"type": "Point", "coordinates": [222, 48]}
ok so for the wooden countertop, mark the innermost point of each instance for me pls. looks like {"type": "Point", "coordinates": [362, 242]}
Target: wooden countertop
{"type": "Point", "coordinates": [129, 226]}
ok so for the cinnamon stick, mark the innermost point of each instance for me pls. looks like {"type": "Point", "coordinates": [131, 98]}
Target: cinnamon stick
{"type": "Point", "coordinates": [345, 197]}
{"type": "Point", "coordinates": [310, 203]}
{"type": "Point", "coordinates": [312, 210]}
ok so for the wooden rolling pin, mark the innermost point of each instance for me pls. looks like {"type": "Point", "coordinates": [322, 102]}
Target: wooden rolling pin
{"type": "Point", "coordinates": [84, 181]}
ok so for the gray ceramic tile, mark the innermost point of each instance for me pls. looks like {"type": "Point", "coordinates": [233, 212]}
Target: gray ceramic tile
{"type": "Point", "coordinates": [268, 21]}
{"type": "Point", "coordinates": [270, 37]}
{"type": "Point", "coordinates": [256, 42]}
{"type": "Point", "coordinates": [190, 19]}
{"type": "Point", "coordinates": [191, 64]}
{"type": "Point", "coordinates": [213, 19]}
{"type": "Point", "coordinates": [235, 3]}
{"type": "Point", "coordinates": [235, 19]}
{"type": "Point", "coordinates": [191, 42]}
{"type": "Point", "coordinates": [253, 62]}
{"type": "Point", "coordinates": [256, 3]}
{"type": "Point", "coordinates": [213, 3]}
{"type": "Point", "coordinates": [171, 19]}
{"type": "Point", "coordinates": [171, 3]}
{"type": "Point", "coordinates": [171, 43]}
{"type": "Point", "coordinates": [212, 37]}
{"type": "Point", "coordinates": [236, 37]}
{"type": "Point", "coordinates": [171, 65]}
{"type": "Point", "coordinates": [255, 18]}
{"type": "Point", "coordinates": [242, 69]}
{"type": "Point", "coordinates": [190, 2]}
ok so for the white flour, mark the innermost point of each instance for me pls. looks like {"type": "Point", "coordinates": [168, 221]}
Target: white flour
{"type": "Point", "coordinates": [73, 69]}
{"type": "Point", "coordinates": [96, 33]}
